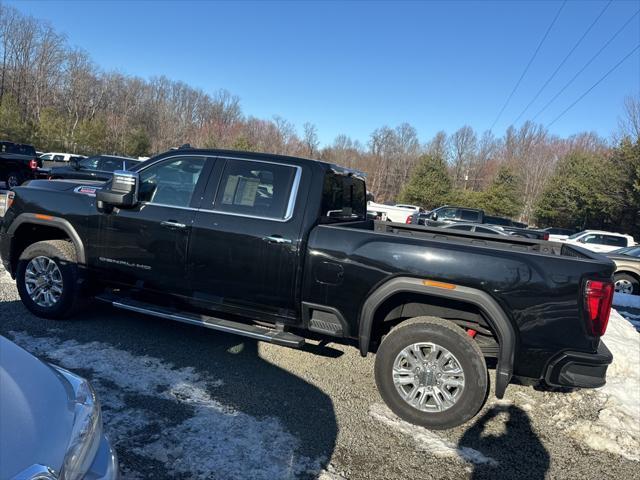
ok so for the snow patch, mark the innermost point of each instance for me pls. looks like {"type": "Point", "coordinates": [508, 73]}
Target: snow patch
{"type": "Point", "coordinates": [617, 428]}
{"type": "Point", "coordinates": [215, 441]}
{"type": "Point", "coordinates": [626, 300]}
{"type": "Point", "coordinates": [427, 440]}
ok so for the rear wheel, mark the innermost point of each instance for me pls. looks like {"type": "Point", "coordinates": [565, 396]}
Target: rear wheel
{"type": "Point", "coordinates": [14, 179]}
{"type": "Point", "coordinates": [431, 373]}
{"type": "Point", "coordinates": [625, 283]}
{"type": "Point", "coordinates": [47, 279]}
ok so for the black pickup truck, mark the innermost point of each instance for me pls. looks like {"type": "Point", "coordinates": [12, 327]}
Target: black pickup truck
{"type": "Point", "coordinates": [274, 248]}
{"type": "Point", "coordinates": [18, 163]}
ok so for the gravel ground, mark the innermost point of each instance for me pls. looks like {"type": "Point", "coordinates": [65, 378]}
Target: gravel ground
{"type": "Point", "coordinates": [184, 402]}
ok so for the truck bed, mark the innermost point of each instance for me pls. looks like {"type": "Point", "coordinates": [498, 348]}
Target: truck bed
{"type": "Point", "coordinates": [512, 243]}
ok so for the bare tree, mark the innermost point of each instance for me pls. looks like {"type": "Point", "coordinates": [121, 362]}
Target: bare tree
{"type": "Point", "coordinates": [310, 139]}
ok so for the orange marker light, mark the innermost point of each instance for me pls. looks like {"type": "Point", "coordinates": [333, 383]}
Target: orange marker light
{"type": "Point", "coordinates": [43, 217]}
{"type": "Point", "coordinates": [432, 283]}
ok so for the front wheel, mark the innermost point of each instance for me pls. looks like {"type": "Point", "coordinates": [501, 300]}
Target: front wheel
{"type": "Point", "coordinates": [625, 283]}
{"type": "Point", "coordinates": [47, 279]}
{"type": "Point", "coordinates": [431, 373]}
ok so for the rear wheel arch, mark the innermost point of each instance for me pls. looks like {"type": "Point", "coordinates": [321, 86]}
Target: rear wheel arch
{"type": "Point", "coordinates": [496, 318]}
{"type": "Point", "coordinates": [29, 228]}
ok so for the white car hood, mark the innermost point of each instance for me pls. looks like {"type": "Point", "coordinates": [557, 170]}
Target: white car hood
{"type": "Point", "coordinates": [36, 412]}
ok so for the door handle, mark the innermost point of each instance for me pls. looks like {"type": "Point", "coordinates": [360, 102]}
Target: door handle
{"type": "Point", "coordinates": [173, 225]}
{"type": "Point", "coordinates": [276, 239]}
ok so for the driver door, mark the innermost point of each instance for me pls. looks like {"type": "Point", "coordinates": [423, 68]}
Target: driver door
{"type": "Point", "coordinates": [147, 246]}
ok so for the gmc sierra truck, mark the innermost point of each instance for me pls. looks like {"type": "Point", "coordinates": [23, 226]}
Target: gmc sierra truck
{"type": "Point", "coordinates": [274, 247]}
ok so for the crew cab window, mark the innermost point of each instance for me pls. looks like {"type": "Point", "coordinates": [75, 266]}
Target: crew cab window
{"type": "Point", "coordinates": [469, 215]}
{"type": "Point", "coordinates": [110, 164]}
{"type": "Point", "coordinates": [615, 241]}
{"type": "Point", "coordinates": [485, 230]}
{"type": "Point", "coordinates": [461, 227]}
{"type": "Point", "coordinates": [58, 158]}
{"type": "Point", "coordinates": [258, 189]}
{"type": "Point", "coordinates": [447, 213]}
{"type": "Point", "coordinates": [171, 182]}
{"type": "Point", "coordinates": [46, 157]}
{"type": "Point", "coordinates": [592, 238]}
{"type": "Point", "coordinates": [90, 163]}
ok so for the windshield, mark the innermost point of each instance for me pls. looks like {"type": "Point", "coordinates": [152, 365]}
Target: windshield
{"type": "Point", "coordinates": [575, 235]}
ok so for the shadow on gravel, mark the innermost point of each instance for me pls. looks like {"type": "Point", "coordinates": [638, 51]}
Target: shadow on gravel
{"type": "Point", "coordinates": [249, 383]}
{"type": "Point", "coordinates": [518, 451]}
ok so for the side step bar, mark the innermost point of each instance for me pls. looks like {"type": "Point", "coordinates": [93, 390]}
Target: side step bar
{"type": "Point", "coordinates": [277, 337]}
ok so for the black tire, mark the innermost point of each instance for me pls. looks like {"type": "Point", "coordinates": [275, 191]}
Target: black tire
{"type": "Point", "coordinates": [14, 179]}
{"type": "Point", "coordinates": [63, 253]}
{"type": "Point", "coordinates": [625, 277]}
{"type": "Point", "coordinates": [451, 337]}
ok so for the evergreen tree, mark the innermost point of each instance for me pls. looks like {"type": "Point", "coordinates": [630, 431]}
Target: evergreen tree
{"type": "Point", "coordinates": [429, 185]}
{"type": "Point", "coordinates": [584, 192]}
{"type": "Point", "coordinates": [504, 196]}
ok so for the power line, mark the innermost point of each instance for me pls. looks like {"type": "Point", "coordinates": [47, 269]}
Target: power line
{"type": "Point", "coordinates": [595, 84]}
{"type": "Point", "coordinates": [563, 61]}
{"type": "Point", "coordinates": [535, 53]}
{"type": "Point", "coordinates": [585, 65]}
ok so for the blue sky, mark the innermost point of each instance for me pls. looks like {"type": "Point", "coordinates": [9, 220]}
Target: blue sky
{"type": "Point", "coordinates": [352, 67]}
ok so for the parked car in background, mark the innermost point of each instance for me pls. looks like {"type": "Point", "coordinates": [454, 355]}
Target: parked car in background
{"type": "Point", "coordinates": [558, 233]}
{"type": "Point", "coordinates": [99, 167]}
{"type": "Point", "coordinates": [18, 163]}
{"type": "Point", "coordinates": [528, 232]}
{"type": "Point", "coordinates": [477, 228]}
{"type": "Point", "coordinates": [54, 159]}
{"type": "Point", "coordinates": [627, 274]}
{"type": "Point", "coordinates": [600, 241]}
{"type": "Point", "coordinates": [50, 422]}
{"type": "Point", "coordinates": [391, 213]}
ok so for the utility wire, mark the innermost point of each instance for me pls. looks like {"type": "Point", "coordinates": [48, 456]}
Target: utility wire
{"type": "Point", "coordinates": [535, 53]}
{"type": "Point", "coordinates": [563, 61]}
{"type": "Point", "coordinates": [585, 65]}
{"type": "Point", "coordinates": [595, 84]}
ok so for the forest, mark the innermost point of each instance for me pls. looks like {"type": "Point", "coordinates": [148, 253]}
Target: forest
{"type": "Point", "coordinates": [53, 96]}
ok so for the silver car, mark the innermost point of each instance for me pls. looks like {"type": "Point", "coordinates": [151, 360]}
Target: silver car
{"type": "Point", "coordinates": [50, 422]}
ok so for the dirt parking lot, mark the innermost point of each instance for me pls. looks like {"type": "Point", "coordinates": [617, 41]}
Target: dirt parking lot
{"type": "Point", "coordinates": [183, 402]}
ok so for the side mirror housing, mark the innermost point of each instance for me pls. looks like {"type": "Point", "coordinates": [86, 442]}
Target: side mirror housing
{"type": "Point", "coordinates": [434, 216]}
{"type": "Point", "coordinates": [123, 191]}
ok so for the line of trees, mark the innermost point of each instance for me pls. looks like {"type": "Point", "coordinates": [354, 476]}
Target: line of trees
{"type": "Point", "coordinates": [55, 97]}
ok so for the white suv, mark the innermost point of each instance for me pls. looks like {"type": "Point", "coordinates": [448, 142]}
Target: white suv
{"type": "Point", "coordinates": [600, 241]}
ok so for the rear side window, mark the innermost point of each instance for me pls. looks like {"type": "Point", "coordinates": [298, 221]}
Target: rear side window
{"type": "Point", "coordinates": [344, 197]}
{"type": "Point", "coordinates": [257, 189]}
{"type": "Point", "coordinates": [469, 215]}
{"type": "Point", "coordinates": [485, 230]}
{"type": "Point", "coordinates": [615, 241]}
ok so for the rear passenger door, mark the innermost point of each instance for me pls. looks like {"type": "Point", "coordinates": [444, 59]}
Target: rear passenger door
{"type": "Point", "coordinates": [245, 244]}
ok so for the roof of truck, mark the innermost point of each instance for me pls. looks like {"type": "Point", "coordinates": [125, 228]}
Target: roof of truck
{"type": "Point", "coordinates": [263, 156]}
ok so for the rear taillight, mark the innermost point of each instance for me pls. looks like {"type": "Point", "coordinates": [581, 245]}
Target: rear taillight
{"type": "Point", "coordinates": [597, 298]}
{"type": "Point", "coordinates": [33, 164]}
{"type": "Point", "coordinates": [409, 219]}
{"type": "Point", "coordinates": [545, 236]}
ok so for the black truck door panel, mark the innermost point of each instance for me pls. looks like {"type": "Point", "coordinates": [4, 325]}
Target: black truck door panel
{"type": "Point", "coordinates": [148, 245]}
{"type": "Point", "coordinates": [245, 247]}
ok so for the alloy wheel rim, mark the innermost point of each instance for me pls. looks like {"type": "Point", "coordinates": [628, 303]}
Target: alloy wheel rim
{"type": "Point", "coordinates": [43, 281]}
{"type": "Point", "coordinates": [624, 286]}
{"type": "Point", "coordinates": [428, 377]}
